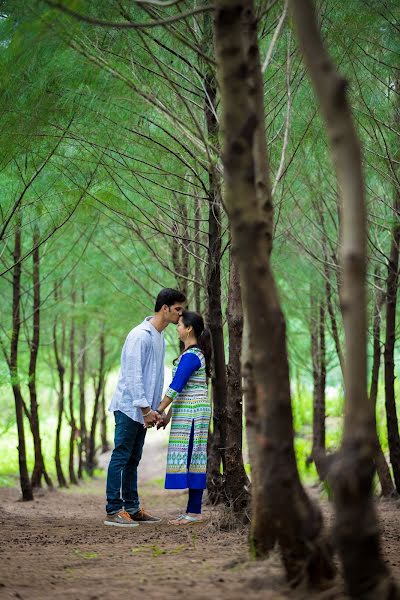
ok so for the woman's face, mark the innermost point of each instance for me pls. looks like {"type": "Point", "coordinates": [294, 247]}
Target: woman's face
{"type": "Point", "coordinates": [183, 330]}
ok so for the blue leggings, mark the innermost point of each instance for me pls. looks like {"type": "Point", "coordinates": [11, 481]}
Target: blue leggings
{"type": "Point", "coordinates": [195, 496]}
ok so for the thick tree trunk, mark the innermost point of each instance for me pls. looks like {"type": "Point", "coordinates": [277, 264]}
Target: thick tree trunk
{"type": "Point", "coordinates": [91, 461]}
{"type": "Point", "coordinates": [356, 529]}
{"type": "Point", "coordinates": [26, 487]}
{"type": "Point", "coordinates": [237, 483]}
{"type": "Point", "coordinates": [62, 482]}
{"type": "Point", "coordinates": [39, 469]}
{"type": "Point", "coordinates": [263, 190]}
{"type": "Point", "coordinates": [382, 468]}
{"type": "Point", "coordinates": [72, 422]}
{"type": "Point", "coordinates": [217, 439]}
{"type": "Point", "coordinates": [293, 519]}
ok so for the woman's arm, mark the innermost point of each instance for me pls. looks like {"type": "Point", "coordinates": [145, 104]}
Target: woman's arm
{"type": "Point", "coordinates": [188, 364]}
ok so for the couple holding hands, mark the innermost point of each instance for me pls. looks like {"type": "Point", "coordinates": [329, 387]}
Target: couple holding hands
{"type": "Point", "coordinates": [136, 405]}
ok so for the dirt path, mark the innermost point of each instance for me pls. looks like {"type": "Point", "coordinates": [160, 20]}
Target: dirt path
{"type": "Point", "coordinates": [58, 548]}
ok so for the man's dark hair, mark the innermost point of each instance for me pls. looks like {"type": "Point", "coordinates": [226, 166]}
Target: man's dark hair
{"type": "Point", "coordinates": [169, 297]}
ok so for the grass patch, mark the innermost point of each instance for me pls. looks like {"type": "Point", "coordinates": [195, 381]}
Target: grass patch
{"type": "Point", "coordinates": [86, 555]}
{"type": "Point", "coordinates": [158, 482]}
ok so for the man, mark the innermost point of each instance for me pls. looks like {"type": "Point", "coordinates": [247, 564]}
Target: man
{"type": "Point", "coordinates": [138, 393]}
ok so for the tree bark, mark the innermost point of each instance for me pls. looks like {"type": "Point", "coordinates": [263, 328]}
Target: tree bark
{"type": "Point", "coordinates": [72, 423]}
{"type": "Point", "coordinates": [105, 446]}
{"type": "Point", "coordinates": [382, 468]}
{"type": "Point", "coordinates": [26, 487]}
{"type": "Point", "coordinates": [332, 317]}
{"type": "Point", "coordinates": [293, 519]}
{"type": "Point", "coordinates": [356, 528]}
{"type": "Point", "coordinates": [91, 461]}
{"type": "Point", "coordinates": [39, 469]}
{"type": "Point", "coordinates": [62, 482]}
{"type": "Point", "coordinates": [263, 189]}
{"type": "Point", "coordinates": [83, 443]}
{"type": "Point", "coordinates": [237, 483]}
{"type": "Point", "coordinates": [392, 283]}
{"type": "Point", "coordinates": [318, 355]}
{"type": "Point", "coordinates": [217, 439]}
{"type": "Point", "coordinates": [197, 247]}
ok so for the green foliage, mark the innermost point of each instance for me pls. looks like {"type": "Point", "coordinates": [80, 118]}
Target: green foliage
{"type": "Point", "coordinates": [105, 150]}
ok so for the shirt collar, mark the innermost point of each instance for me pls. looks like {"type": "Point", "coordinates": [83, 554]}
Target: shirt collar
{"type": "Point", "coordinates": [149, 327]}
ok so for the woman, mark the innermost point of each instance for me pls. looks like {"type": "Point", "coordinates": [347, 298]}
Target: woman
{"type": "Point", "coordinates": [190, 414]}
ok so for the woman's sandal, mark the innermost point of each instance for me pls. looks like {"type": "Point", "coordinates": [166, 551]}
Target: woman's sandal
{"type": "Point", "coordinates": [185, 520]}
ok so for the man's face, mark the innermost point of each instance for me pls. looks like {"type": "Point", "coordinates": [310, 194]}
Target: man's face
{"type": "Point", "coordinates": [172, 313]}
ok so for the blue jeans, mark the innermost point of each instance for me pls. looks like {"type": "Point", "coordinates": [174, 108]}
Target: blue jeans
{"type": "Point", "coordinates": [122, 470]}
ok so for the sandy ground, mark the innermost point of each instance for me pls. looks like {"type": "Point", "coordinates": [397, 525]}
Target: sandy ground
{"type": "Point", "coordinates": [58, 548]}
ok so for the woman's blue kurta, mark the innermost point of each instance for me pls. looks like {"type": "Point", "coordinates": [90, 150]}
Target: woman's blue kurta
{"type": "Point", "coordinates": [190, 406]}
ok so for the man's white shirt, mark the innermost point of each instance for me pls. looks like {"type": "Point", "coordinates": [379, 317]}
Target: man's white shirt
{"type": "Point", "coordinates": [141, 377]}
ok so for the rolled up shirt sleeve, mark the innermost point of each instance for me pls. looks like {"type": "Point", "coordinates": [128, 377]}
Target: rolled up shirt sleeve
{"type": "Point", "coordinates": [137, 353]}
{"type": "Point", "coordinates": [188, 364]}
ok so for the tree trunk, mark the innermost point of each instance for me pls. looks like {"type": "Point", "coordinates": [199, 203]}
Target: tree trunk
{"type": "Point", "coordinates": [332, 317]}
{"type": "Point", "coordinates": [26, 487]}
{"type": "Point", "coordinates": [381, 465]}
{"type": "Point", "coordinates": [197, 269]}
{"type": "Point", "coordinates": [91, 461]}
{"type": "Point", "coordinates": [105, 446]}
{"type": "Point", "coordinates": [318, 355]}
{"type": "Point", "coordinates": [83, 442]}
{"type": "Point", "coordinates": [356, 530]}
{"type": "Point", "coordinates": [39, 469]}
{"type": "Point", "coordinates": [259, 515]}
{"type": "Point", "coordinates": [236, 481]}
{"type": "Point", "coordinates": [263, 190]}
{"type": "Point", "coordinates": [217, 440]}
{"type": "Point", "coordinates": [72, 422]}
{"type": "Point", "coordinates": [392, 283]}
{"type": "Point", "coordinates": [62, 482]}
{"type": "Point", "coordinates": [292, 518]}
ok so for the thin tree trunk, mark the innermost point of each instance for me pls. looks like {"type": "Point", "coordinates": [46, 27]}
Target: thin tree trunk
{"type": "Point", "coordinates": [197, 269]}
{"type": "Point", "coordinates": [293, 519]}
{"type": "Point", "coordinates": [382, 468]}
{"type": "Point", "coordinates": [39, 469]}
{"type": "Point", "coordinates": [62, 482]}
{"type": "Point", "coordinates": [105, 446]}
{"type": "Point", "coordinates": [259, 516]}
{"type": "Point", "coordinates": [332, 317]}
{"type": "Point", "coordinates": [83, 443]}
{"type": "Point", "coordinates": [26, 487]}
{"type": "Point", "coordinates": [356, 529]}
{"type": "Point", "coordinates": [72, 422]}
{"type": "Point", "coordinates": [318, 355]}
{"type": "Point", "coordinates": [392, 283]}
{"type": "Point", "coordinates": [91, 461]}
{"type": "Point", "coordinates": [237, 483]}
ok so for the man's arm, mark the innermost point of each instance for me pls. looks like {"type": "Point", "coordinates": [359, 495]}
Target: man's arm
{"type": "Point", "coordinates": [137, 351]}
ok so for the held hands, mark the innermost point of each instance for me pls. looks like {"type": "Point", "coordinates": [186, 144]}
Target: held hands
{"type": "Point", "coordinates": [150, 418]}
{"type": "Point", "coordinates": [153, 417]}
{"type": "Point", "coordinates": [164, 420]}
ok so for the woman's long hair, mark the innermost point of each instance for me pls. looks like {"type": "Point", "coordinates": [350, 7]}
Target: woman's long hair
{"type": "Point", "coordinates": [203, 335]}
